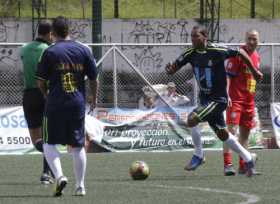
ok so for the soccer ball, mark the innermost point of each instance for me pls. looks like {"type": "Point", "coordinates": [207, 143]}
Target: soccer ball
{"type": "Point", "coordinates": [139, 170]}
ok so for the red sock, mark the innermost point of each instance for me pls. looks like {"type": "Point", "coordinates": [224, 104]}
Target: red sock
{"type": "Point", "coordinates": [227, 158]}
{"type": "Point", "coordinates": [241, 163]}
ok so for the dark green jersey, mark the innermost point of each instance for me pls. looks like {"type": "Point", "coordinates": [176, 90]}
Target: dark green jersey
{"type": "Point", "coordinates": [30, 55]}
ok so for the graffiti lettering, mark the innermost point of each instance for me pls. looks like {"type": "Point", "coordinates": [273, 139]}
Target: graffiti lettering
{"type": "Point", "coordinates": [79, 30]}
{"type": "Point", "coordinates": [148, 61]}
{"type": "Point", "coordinates": [8, 30]}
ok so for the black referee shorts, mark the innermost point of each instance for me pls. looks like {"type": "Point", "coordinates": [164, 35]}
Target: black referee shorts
{"type": "Point", "coordinates": [33, 107]}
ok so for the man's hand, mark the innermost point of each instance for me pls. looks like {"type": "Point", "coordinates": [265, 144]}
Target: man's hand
{"type": "Point", "coordinates": [92, 106]}
{"type": "Point", "coordinates": [170, 68]}
{"type": "Point", "coordinates": [259, 76]}
{"type": "Point", "coordinates": [229, 102]}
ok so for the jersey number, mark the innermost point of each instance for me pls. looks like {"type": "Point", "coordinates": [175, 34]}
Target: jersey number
{"type": "Point", "coordinates": [69, 83]}
{"type": "Point", "coordinates": [251, 85]}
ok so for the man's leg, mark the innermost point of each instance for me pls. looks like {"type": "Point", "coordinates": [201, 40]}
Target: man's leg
{"type": "Point", "coordinates": [196, 138]}
{"type": "Point", "coordinates": [231, 141]}
{"type": "Point", "coordinates": [243, 139]}
{"type": "Point", "coordinates": [33, 107]}
{"type": "Point", "coordinates": [228, 165]}
{"type": "Point", "coordinates": [216, 120]}
{"type": "Point", "coordinates": [247, 122]}
{"type": "Point", "coordinates": [37, 141]}
{"type": "Point", "coordinates": [80, 161]}
{"type": "Point", "coordinates": [233, 114]}
{"type": "Point", "coordinates": [53, 157]}
{"type": "Point", "coordinates": [198, 157]}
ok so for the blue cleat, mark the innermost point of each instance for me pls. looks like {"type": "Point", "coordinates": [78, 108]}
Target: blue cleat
{"type": "Point", "coordinates": [254, 161]}
{"type": "Point", "coordinates": [250, 168]}
{"type": "Point", "coordinates": [194, 163]}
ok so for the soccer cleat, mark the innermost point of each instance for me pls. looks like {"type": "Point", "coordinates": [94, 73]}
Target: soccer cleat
{"type": "Point", "coordinates": [80, 191]}
{"type": "Point", "coordinates": [229, 170]}
{"type": "Point", "coordinates": [194, 163]}
{"type": "Point", "coordinates": [46, 179]}
{"type": "Point", "coordinates": [60, 185]}
{"type": "Point", "coordinates": [250, 169]}
{"type": "Point", "coordinates": [250, 166]}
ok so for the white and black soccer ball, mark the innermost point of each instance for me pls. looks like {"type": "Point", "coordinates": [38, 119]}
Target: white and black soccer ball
{"type": "Point", "coordinates": [139, 170]}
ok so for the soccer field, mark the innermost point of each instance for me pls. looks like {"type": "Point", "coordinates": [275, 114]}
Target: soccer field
{"type": "Point", "coordinates": [108, 181]}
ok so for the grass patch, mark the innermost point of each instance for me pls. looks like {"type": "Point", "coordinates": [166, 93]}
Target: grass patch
{"type": "Point", "coordinates": [107, 180]}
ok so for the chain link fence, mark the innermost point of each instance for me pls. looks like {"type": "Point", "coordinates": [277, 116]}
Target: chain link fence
{"type": "Point", "coordinates": [127, 70]}
{"type": "Point", "coordinates": [11, 76]}
{"type": "Point", "coordinates": [127, 89]}
{"type": "Point", "coordinates": [138, 68]}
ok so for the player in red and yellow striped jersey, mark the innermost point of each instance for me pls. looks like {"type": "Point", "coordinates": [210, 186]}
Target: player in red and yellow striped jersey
{"type": "Point", "coordinates": [241, 90]}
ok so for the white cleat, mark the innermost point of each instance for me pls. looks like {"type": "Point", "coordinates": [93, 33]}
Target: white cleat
{"type": "Point", "coordinates": [80, 191]}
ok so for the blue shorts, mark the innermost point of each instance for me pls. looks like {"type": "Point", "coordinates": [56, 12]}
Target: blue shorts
{"type": "Point", "coordinates": [64, 127]}
{"type": "Point", "coordinates": [212, 112]}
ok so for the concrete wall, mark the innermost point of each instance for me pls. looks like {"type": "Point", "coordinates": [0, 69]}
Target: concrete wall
{"type": "Point", "coordinates": [149, 59]}
{"type": "Point", "coordinates": [146, 30]}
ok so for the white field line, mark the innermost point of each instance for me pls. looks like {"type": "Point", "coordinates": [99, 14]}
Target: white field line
{"type": "Point", "coordinates": [250, 198]}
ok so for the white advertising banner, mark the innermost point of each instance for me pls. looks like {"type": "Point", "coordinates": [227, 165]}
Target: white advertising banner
{"type": "Point", "coordinates": [14, 135]}
{"type": "Point", "coordinates": [121, 130]}
{"type": "Point", "coordinates": [275, 117]}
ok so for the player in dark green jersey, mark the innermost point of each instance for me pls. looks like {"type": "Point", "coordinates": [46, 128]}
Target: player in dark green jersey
{"type": "Point", "coordinates": [33, 100]}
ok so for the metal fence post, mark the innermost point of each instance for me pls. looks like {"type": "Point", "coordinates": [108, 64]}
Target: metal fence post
{"type": "Point", "coordinates": [272, 75]}
{"type": "Point", "coordinates": [115, 78]}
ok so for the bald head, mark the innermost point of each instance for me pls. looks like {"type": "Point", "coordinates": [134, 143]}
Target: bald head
{"type": "Point", "coordinates": [252, 40]}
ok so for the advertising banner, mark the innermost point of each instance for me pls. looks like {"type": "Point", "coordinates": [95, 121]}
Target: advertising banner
{"type": "Point", "coordinates": [275, 117]}
{"type": "Point", "coordinates": [149, 130]}
{"type": "Point", "coordinates": [14, 135]}
{"type": "Point", "coordinates": [117, 130]}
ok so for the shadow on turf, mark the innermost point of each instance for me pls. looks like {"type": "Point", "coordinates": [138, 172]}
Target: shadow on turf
{"type": "Point", "coordinates": [26, 196]}
{"type": "Point", "coordinates": [22, 196]}
{"type": "Point", "coordinates": [18, 184]}
{"type": "Point", "coordinates": [153, 178]}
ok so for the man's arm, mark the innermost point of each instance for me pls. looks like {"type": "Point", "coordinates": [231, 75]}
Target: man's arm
{"type": "Point", "coordinates": [246, 59]}
{"type": "Point", "coordinates": [173, 67]}
{"type": "Point", "coordinates": [43, 87]}
{"type": "Point", "coordinates": [228, 85]}
{"type": "Point", "coordinates": [93, 88]}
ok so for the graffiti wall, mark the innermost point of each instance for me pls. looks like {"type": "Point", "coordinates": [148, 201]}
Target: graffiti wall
{"type": "Point", "coordinates": [145, 30]}
{"type": "Point", "coordinates": [148, 59]}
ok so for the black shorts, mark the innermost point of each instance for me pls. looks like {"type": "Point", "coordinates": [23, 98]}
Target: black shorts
{"type": "Point", "coordinates": [212, 112]}
{"type": "Point", "coordinates": [33, 107]}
